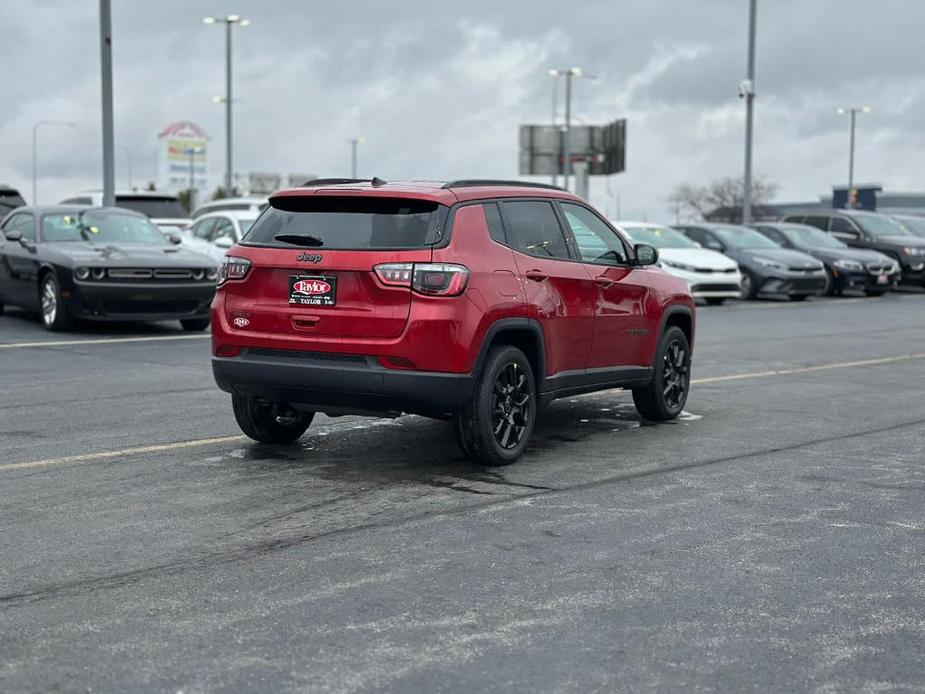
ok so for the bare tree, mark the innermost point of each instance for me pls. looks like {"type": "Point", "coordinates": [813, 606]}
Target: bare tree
{"type": "Point", "coordinates": [721, 200]}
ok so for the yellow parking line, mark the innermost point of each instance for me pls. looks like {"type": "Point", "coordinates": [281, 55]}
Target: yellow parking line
{"type": "Point", "coordinates": [101, 341]}
{"type": "Point", "coordinates": [103, 455]}
{"type": "Point", "coordinates": [179, 445]}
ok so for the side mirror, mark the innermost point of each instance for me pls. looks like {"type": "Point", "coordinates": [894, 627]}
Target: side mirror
{"type": "Point", "coordinates": [223, 242]}
{"type": "Point", "coordinates": [13, 235]}
{"type": "Point", "coordinates": [175, 239]}
{"type": "Point", "coordinates": [646, 254]}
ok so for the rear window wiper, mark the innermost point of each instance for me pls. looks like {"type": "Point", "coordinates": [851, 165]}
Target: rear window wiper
{"type": "Point", "coordinates": [299, 239]}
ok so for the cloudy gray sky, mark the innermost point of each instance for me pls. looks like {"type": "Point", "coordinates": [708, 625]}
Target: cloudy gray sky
{"type": "Point", "coordinates": [438, 89]}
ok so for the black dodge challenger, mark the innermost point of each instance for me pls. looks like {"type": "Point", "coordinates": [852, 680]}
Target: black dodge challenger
{"type": "Point", "coordinates": [93, 263]}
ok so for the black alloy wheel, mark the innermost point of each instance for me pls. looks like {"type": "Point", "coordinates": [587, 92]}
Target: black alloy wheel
{"type": "Point", "coordinates": [495, 425]}
{"type": "Point", "coordinates": [665, 396]}
{"type": "Point", "coordinates": [511, 408]}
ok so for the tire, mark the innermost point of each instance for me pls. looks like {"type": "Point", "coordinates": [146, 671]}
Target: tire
{"type": "Point", "coordinates": [874, 292]}
{"type": "Point", "coordinates": [55, 316]}
{"type": "Point", "coordinates": [714, 301]}
{"type": "Point", "coordinates": [495, 426]}
{"type": "Point", "coordinates": [665, 396]}
{"type": "Point", "coordinates": [1, 308]}
{"type": "Point", "coordinates": [269, 423]}
{"type": "Point", "coordinates": [194, 324]}
{"type": "Point", "coordinates": [830, 289]}
{"type": "Point", "coordinates": [749, 287]}
{"type": "Point", "coordinates": [798, 297]}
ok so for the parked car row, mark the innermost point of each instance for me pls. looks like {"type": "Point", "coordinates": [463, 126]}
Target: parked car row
{"type": "Point", "coordinates": [797, 257]}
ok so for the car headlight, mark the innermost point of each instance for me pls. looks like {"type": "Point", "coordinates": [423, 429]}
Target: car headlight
{"type": "Point", "coordinates": [677, 265]}
{"type": "Point", "coordinates": [82, 273]}
{"type": "Point", "coordinates": [198, 274]}
{"type": "Point", "coordinates": [212, 273]}
{"type": "Point", "coordinates": [914, 250]}
{"type": "Point", "coordinates": [849, 265]}
{"type": "Point", "coordinates": [767, 262]}
{"type": "Point", "coordinates": [98, 273]}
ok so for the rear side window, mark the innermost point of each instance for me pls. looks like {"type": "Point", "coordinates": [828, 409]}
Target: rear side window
{"type": "Point", "coordinates": [843, 225]}
{"type": "Point", "coordinates": [533, 228]}
{"type": "Point", "coordinates": [348, 223]}
{"type": "Point", "coordinates": [818, 221]}
{"type": "Point", "coordinates": [495, 227]}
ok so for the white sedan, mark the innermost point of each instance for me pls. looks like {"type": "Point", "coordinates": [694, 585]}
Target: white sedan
{"type": "Point", "coordinates": [712, 276]}
{"type": "Point", "coordinates": [215, 232]}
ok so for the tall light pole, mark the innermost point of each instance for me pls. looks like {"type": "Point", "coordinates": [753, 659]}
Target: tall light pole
{"type": "Point", "coordinates": [35, 129]}
{"type": "Point", "coordinates": [229, 22]}
{"type": "Point", "coordinates": [109, 164]}
{"type": "Point", "coordinates": [354, 143]}
{"type": "Point", "coordinates": [747, 91]}
{"type": "Point", "coordinates": [854, 111]}
{"type": "Point", "coordinates": [566, 165]}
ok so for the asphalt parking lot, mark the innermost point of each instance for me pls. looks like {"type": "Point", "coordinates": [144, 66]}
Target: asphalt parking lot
{"type": "Point", "coordinates": [773, 539]}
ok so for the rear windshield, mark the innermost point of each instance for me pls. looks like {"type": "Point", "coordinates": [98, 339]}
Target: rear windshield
{"type": "Point", "coordinates": [151, 206]}
{"type": "Point", "coordinates": [349, 223]}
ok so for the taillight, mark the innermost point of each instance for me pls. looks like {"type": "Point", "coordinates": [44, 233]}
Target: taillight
{"type": "Point", "coordinates": [233, 268]}
{"type": "Point", "coordinates": [432, 279]}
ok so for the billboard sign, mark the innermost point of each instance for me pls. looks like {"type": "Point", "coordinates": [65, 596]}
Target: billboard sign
{"type": "Point", "coordinates": [182, 151]}
{"type": "Point", "coordinates": [260, 183]}
{"type": "Point", "coordinates": [603, 147]}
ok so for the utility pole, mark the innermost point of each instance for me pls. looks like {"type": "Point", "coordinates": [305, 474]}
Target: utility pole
{"type": "Point", "coordinates": [747, 90]}
{"type": "Point", "coordinates": [556, 74]}
{"type": "Point", "coordinates": [566, 148]}
{"type": "Point", "coordinates": [354, 143]}
{"type": "Point", "coordinates": [229, 23]}
{"type": "Point", "coordinates": [109, 168]}
{"type": "Point", "coordinates": [853, 111]}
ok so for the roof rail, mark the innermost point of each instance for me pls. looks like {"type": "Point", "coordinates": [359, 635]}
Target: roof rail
{"type": "Point", "coordinates": [333, 182]}
{"type": "Point", "coordinates": [474, 182]}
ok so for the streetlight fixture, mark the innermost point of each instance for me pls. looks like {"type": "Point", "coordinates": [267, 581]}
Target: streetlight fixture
{"type": "Point", "coordinates": [566, 165]}
{"type": "Point", "coordinates": [854, 111]}
{"type": "Point", "coordinates": [229, 22]}
{"type": "Point", "coordinates": [354, 142]}
{"type": "Point", "coordinates": [35, 129]}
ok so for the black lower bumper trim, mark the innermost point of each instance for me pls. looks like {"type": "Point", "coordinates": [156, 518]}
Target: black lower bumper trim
{"type": "Point", "coordinates": [354, 384]}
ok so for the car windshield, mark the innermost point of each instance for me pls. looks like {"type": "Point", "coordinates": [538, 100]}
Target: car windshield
{"type": "Point", "coordinates": [349, 222]}
{"type": "Point", "coordinates": [914, 224]}
{"type": "Point", "coordinates": [878, 225]}
{"type": "Point", "coordinates": [660, 237]}
{"type": "Point", "coordinates": [742, 237]}
{"type": "Point", "coordinates": [152, 206]}
{"type": "Point", "coordinates": [100, 227]}
{"type": "Point", "coordinates": [809, 237]}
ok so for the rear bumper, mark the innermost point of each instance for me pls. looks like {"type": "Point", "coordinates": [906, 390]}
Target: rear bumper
{"type": "Point", "coordinates": [142, 301]}
{"type": "Point", "coordinates": [339, 384]}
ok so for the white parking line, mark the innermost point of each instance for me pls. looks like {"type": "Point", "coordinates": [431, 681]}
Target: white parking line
{"type": "Point", "coordinates": [101, 341]}
{"type": "Point", "coordinates": [808, 369]}
{"type": "Point", "coordinates": [179, 445]}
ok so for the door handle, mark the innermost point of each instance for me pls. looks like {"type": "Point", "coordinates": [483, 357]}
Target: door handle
{"type": "Point", "coordinates": [603, 282]}
{"type": "Point", "coordinates": [536, 275]}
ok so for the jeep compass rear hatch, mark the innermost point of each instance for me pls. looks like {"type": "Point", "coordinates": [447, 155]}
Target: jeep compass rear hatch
{"type": "Point", "coordinates": [313, 266]}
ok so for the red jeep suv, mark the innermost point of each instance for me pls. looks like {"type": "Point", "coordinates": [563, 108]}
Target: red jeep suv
{"type": "Point", "coordinates": [477, 302]}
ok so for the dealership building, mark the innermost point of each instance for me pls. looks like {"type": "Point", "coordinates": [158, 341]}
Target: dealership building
{"type": "Point", "coordinates": [869, 197]}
